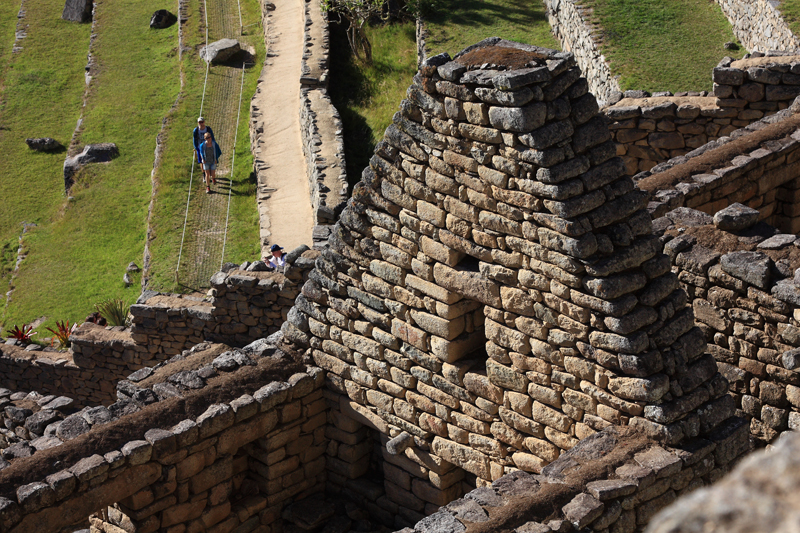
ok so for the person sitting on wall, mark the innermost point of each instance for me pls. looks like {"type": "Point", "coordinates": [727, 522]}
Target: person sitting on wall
{"type": "Point", "coordinates": [277, 260]}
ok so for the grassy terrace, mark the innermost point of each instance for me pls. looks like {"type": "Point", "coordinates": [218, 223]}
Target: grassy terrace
{"type": "Point", "coordinates": [454, 25]}
{"type": "Point", "coordinates": [663, 46]}
{"type": "Point", "coordinates": [368, 95]}
{"type": "Point", "coordinates": [790, 9]}
{"type": "Point", "coordinates": [33, 184]}
{"type": "Point", "coordinates": [174, 172]}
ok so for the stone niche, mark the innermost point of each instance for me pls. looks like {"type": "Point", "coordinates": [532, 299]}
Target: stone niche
{"type": "Point", "coordinates": [493, 292]}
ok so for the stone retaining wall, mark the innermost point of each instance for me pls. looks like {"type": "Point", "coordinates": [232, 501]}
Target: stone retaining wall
{"type": "Point", "coordinates": [652, 130]}
{"type": "Point", "coordinates": [746, 302]}
{"type": "Point", "coordinates": [568, 24]}
{"type": "Point", "coordinates": [764, 178]}
{"type": "Point", "coordinates": [234, 466]}
{"type": "Point", "coordinates": [98, 358]}
{"type": "Point", "coordinates": [493, 288]}
{"type": "Point", "coordinates": [323, 147]}
{"type": "Point", "coordinates": [593, 487]}
{"type": "Point", "coordinates": [244, 306]}
{"type": "Point", "coordinates": [758, 25]}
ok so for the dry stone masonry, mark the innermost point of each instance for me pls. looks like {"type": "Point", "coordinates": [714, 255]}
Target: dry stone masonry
{"type": "Point", "coordinates": [570, 27]}
{"type": "Point", "coordinates": [494, 289]}
{"type": "Point", "coordinates": [650, 130]}
{"type": "Point", "coordinates": [756, 165]}
{"type": "Point", "coordinates": [644, 479]}
{"type": "Point", "coordinates": [231, 466]}
{"type": "Point", "coordinates": [740, 278]}
{"type": "Point", "coordinates": [759, 25]}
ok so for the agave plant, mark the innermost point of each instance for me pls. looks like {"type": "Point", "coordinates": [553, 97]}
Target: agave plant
{"type": "Point", "coordinates": [115, 311]}
{"type": "Point", "coordinates": [62, 333]}
{"type": "Point", "coordinates": [23, 334]}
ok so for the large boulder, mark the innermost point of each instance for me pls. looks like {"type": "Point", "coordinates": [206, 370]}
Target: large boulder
{"type": "Point", "coordinates": [220, 51]}
{"type": "Point", "coordinates": [92, 153]}
{"type": "Point", "coordinates": [162, 19]}
{"type": "Point", "coordinates": [43, 144]}
{"type": "Point", "coordinates": [77, 10]}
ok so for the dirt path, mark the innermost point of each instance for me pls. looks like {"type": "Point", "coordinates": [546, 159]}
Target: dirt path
{"type": "Point", "coordinates": [284, 199]}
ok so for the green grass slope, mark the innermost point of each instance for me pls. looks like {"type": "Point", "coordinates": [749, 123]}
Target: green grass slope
{"type": "Point", "coordinates": [42, 90]}
{"type": "Point", "coordinates": [455, 24]}
{"type": "Point", "coordinates": [663, 46]}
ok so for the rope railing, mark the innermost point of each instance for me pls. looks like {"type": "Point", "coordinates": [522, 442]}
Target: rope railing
{"type": "Point", "coordinates": [191, 174]}
{"type": "Point", "coordinates": [233, 162]}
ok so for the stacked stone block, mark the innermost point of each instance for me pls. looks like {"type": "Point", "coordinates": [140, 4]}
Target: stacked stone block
{"type": "Point", "coordinates": [764, 179]}
{"type": "Point", "coordinates": [758, 25]}
{"type": "Point", "coordinates": [97, 359]}
{"type": "Point", "coordinates": [323, 149]}
{"type": "Point", "coordinates": [621, 496]}
{"type": "Point", "coordinates": [651, 130]}
{"type": "Point", "coordinates": [244, 305]}
{"type": "Point", "coordinates": [568, 22]}
{"type": "Point", "coordinates": [493, 287]}
{"type": "Point", "coordinates": [745, 301]}
{"type": "Point", "coordinates": [234, 466]}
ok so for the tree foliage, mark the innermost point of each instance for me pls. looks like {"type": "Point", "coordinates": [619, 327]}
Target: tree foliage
{"type": "Point", "coordinates": [357, 13]}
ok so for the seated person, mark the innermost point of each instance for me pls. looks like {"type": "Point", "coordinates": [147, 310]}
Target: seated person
{"type": "Point", "coordinates": [277, 259]}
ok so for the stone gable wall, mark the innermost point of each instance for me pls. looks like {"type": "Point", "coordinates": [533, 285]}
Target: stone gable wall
{"type": "Point", "coordinates": [235, 465]}
{"type": "Point", "coordinates": [494, 289]}
{"type": "Point", "coordinates": [746, 302]}
{"type": "Point", "coordinates": [758, 25]}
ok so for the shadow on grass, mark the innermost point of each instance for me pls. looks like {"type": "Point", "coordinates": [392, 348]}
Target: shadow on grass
{"type": "Point", "coordinates": [481, 13]}
{"type": "Point", "coordinates": [348, 88]}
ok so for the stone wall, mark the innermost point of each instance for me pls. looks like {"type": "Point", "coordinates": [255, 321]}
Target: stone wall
{"type": "Point", "coordinates": [99, 357]}
{"type": "Point", "coordinates": [570, 27]}
{"type": "Point", "coordinates": [233, 465]}
{"type": "Point", "coordinates": [756, 165]}
{"type": "Point", "coordinates": [244, 305]}
{"type": "Point", "coordinates": [609, 482]}
{"type": "Point", "coordinates": [758, 25]}
{"type": "Point", "coordinates": [493, 288]}
{"type": "Point", "coordinates": [651, 130]}
{"type": "Point", "coordinates": [759, 496]}
{"type": "Point", "coordinates": [739, 277]}
{"type": "Point", "coordinates": [321, 127]}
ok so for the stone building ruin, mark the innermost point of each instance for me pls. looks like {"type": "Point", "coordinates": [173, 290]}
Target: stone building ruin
{"type": "Point", "coordinates": [506, 331]}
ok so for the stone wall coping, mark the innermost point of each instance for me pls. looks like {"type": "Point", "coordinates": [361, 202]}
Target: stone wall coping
{"type": "Point", "coordinates": [156, 445]}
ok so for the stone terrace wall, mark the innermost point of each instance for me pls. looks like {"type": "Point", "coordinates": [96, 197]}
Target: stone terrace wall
{"type": "Point", "coordinates": [652, 130]}
{"type": "Point", "coordinates": [759, 496]}
{"type": "Point", "coordinates": [233, 466]}
{"type": "Point", "coordinates": [245, 306]}
{"type": "Point", "coordinates": [758, 25]}
{"type": "Point", "coordinates": [321, 127]}
{"type": "Point", "coordinates": [764, 178]}
{"type": "Point", "coordinates": [567, 21]}
{"type": "Point", "coordinates": [746, 302]}
{"type": "Point", "coordinates": [98, 358]}
{"type": "Point", "coordinates": [591, 488]}
{"type": "Point", "coordinates": [494, 288]}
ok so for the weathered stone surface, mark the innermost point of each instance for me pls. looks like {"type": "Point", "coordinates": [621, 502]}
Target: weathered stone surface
{"type": "Point", "coordinates": [736, 217]}
{"type": "Point", "coordinates": [220, 51]}
{"type": "Point", "coordinates": [752, 267]}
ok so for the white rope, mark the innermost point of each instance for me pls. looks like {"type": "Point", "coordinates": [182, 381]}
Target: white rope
{"type": "Point", "coordinates": [241, 28]}
{"type": "Point", "coordinates": [230, 179]}
{"type": "Point", "coordinates": [191, 174]}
